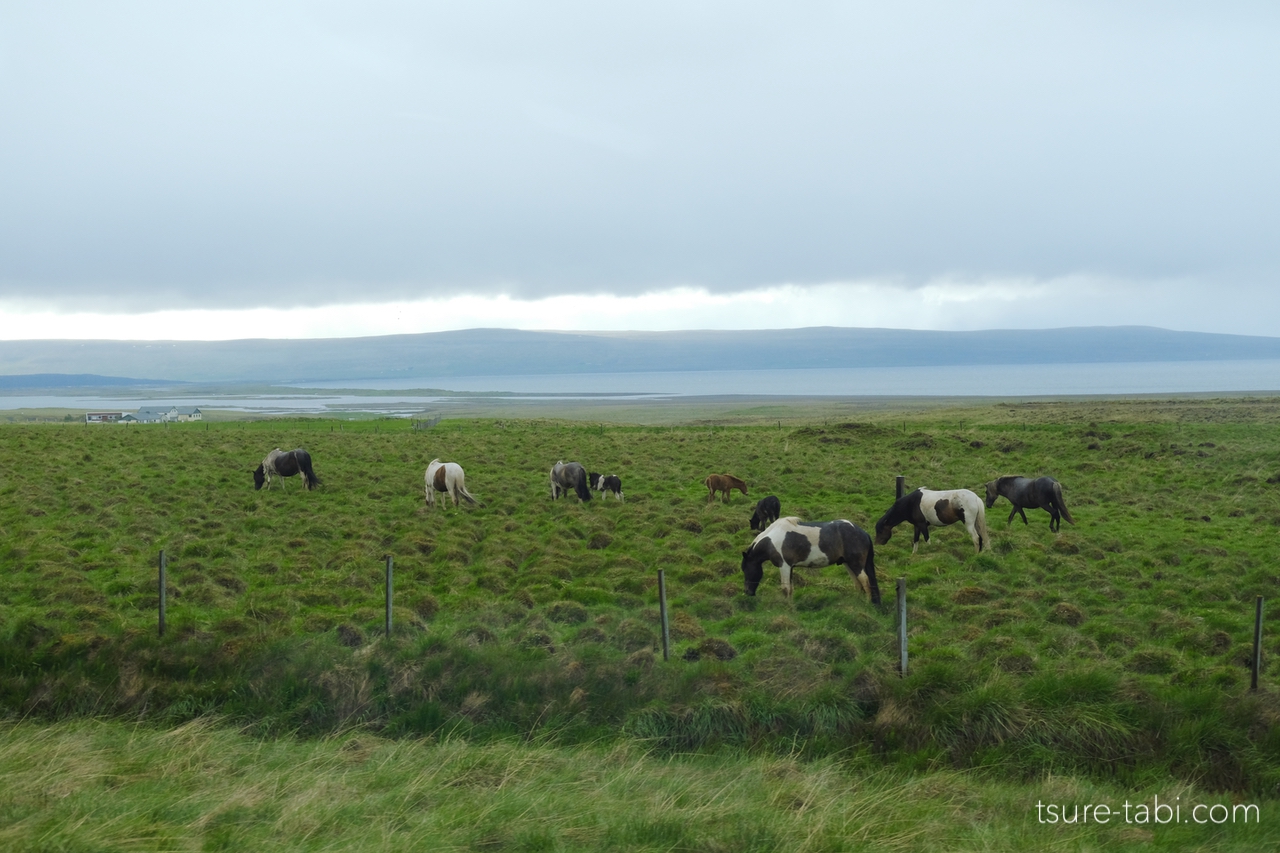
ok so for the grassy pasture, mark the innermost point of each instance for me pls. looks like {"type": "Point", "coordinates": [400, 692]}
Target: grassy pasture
{"type": "Point", "coordinates": [1116, 650]}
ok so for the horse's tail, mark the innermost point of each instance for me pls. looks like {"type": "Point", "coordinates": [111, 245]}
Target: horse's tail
{"type": "Point", "coordinates": [984, 538]}
{"type": "Point", "coordinates": [308, 472]}
{"type": "Point", "coordinates": [1062, 505]}
{"type": "Point", "coordinates": [580, 487]}
{"type": "Point", "coordinates": [464, 494]}
{"type": "Point", "coordinates": [870, 568]}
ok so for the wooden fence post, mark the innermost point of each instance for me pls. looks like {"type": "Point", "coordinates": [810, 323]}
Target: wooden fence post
{"type": "Point", "coordinates": [900, 485]}
{"type": "Point", "coordinates": [662, 612]}
{"type": "Point", "coordinates": [902, 626]}
{"type": "Point", "coordinates": [389, 568]}
{"type": "Point", "coordinates": [163, 582]}
{"type": "Point", "coordinates": [1257, 644]}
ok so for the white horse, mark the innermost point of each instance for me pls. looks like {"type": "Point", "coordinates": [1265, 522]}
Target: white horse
{"type": "Point", "coordinates": [925, 509]}
{"type": "Point", "coordinates": [447, 477]}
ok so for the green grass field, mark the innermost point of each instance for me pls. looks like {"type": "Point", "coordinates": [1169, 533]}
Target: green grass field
{"type": "Point", "coordinates": [1113, 655]}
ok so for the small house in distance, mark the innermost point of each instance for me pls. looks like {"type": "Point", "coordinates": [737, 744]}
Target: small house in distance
{"type": "Point", "coordinates": [163, 414]}
{"type": "Point", "coordinates": [153, 415]}
{"type": "Point", "coordinates": [103, 417]}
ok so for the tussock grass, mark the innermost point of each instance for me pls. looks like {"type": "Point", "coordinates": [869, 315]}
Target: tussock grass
{"type": "Point", "coordinates": [90, 785]}
{"type": "Point", "coordinates": [1117, 648]}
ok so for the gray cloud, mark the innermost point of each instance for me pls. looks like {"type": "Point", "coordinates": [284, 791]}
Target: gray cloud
{"type": "Point", "coordinates": [233, 155]}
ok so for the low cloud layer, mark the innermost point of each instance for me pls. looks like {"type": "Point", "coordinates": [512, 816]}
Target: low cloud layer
{"type": "Point", "coordinates": [234, 157]}
{"type": "Point", "coordinates": [942, 305]}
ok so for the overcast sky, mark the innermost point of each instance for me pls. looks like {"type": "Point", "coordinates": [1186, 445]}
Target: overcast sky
{"type": "Point", "coordinates": [174, 170]}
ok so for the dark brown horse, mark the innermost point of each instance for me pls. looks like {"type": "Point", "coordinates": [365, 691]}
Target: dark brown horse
{"type": "Point", "coordinates": [723, 483]}
{"type": "Point", "coordinates": [1043, 493]}
{"type": "Point", "coordinates": [767, 512]}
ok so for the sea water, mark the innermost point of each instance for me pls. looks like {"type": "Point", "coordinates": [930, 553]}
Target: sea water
{"type": "Point", "coordinates": [405, 396]}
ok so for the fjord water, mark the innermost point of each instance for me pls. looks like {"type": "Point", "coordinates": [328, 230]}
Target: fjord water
{"type": "Point", "coordinates": [406, 395]}
{"type": "Point", "coordinates": [987, 380]}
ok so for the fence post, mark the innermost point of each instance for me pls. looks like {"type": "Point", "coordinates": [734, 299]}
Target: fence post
{"type": "Point", "coordinates": [1257, 644]}
{"type": "Point", "coordinates": [662, 612]}
{"type": "Point", "coordinates": [902, 626]}
{"type": "Point", "coordinates": [389, 567]}
{"type": "Point", "coordinates": [163, 582]}
{"type": "Point", "coordinates": [900, 484]}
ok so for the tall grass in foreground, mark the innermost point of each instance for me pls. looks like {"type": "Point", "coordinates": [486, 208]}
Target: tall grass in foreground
{"type": "Point", "coordinates": [95, 786]}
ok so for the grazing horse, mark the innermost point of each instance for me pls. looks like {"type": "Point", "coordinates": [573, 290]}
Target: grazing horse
{"type": "Point", "coordinates": [569, 475]}
{"type": "Point", "coordinates": [925, 509]}
{"type": "Point", "coordinates": [1044, 493]}
{"type": "Point", "coordinates": [723, 483]}
{"type": "Point", "coordinates": [606, 484]}
{"type": "Point", "coordinates": [447, 477]}
{"type": "Point", "coordinates": [286, 464]}
{"type": "Point", "coordinates": [791, 543]}
{"type": "Point", "coordinates": [767, 511]}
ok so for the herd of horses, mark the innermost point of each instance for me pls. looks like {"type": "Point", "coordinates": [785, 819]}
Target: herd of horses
{"type": "Point", "coordinates": [786, 542]}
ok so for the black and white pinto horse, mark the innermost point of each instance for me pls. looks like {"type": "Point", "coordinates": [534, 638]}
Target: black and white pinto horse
{"type": "Point", "coordinates": [925, 509]}
{"type": "Point", "coordinates": [767, 511]}
{"type": "Point", "coordinates": [569, 475]}
{"type": "Point", "coordinates": [447, 478]}
{"type": "Point", "coordinates": [791, 543]}
{"type": "Point", "coordinates": [1043, 493]}
{"type": "Point", "coordinates": [285, 464]}
{"type": "Point", "coordinates": [606, 484]}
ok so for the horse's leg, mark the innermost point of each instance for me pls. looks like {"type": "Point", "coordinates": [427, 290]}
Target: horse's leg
{"type": "Point", "coordinates": [915, 539]}
{"type": "Point", "coordinates": [1055, 523]}
{"type": "Point", "coordinates": [1023, 513]}
{"type": "Point", "coordinates": [1012, 513]}
{"type": "Point", "coordinates": [786, 578]}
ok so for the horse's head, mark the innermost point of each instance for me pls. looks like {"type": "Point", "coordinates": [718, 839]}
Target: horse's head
{"type": "Point", "coordinates": [580, 485]}
{"type": "Point", "coordinates": [752, 572]}
{"type": "Point", "coordinates": [993, 492]}
{"type": "Point", "coordinates": [259, 477]}
{"type": "Point", "coordinates": [883, 529]}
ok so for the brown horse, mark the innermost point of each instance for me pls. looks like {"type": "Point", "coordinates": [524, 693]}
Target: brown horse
{"type": "Point", "coordinates": [723, 483]}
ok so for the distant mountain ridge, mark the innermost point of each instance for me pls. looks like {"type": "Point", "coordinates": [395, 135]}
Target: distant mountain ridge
{"type": "Point", "coordinates": [74, 380]}
{"type": "Point", "coordinates": [505, 352]}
